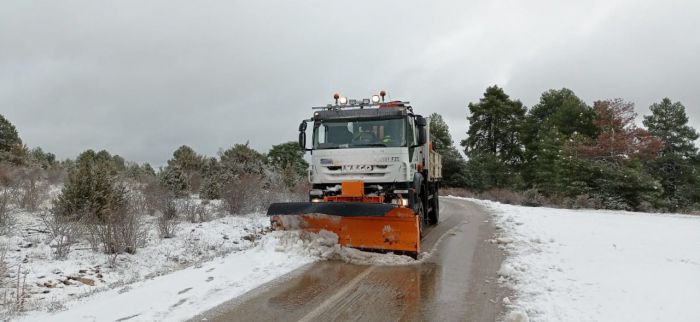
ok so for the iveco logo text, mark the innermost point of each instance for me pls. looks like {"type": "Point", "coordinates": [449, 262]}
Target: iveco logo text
{"type": "Point", "coordinates": [357, 168]}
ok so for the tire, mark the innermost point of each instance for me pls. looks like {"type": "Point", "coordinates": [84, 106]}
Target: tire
{"type": "Point", "coordinates": [434, 216]}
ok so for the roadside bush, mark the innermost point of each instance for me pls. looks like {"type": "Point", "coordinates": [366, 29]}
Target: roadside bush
{"type": "Point", "coordinates": [532, 198]}
{"type": "Point", "coordinates": [90, 191]}
{"type": "Point", "coordinates": [194, 212]}
{"type": "Point", "coordinates": [63, 233]}
{"type": "Point", "coordinates": [505, 196]}
{"type": "Point", "coordinates": [175, 180]}
{"type": "Point", "coordinates": [32, 188]}
{"type": "Point", "coordinates": [5, 215]}
{"type": "Point", "coordinates": [119, 228]}
{"type": "Point", "coordinates": [93, 197]}
{"type": "Point", "coordinates": [238, 194]}
{"type": "Point", "coordinates": [167, 218]}
{"type": "Point", "coordinates": [156, 196]}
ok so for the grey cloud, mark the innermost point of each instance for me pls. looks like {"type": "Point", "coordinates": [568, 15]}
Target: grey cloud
{"type": "Point", "coordinates": [141, 78]}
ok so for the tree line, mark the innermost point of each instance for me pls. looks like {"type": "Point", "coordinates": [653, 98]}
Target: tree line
{"type": "Point", "coordinates": [104, 198]}
{"type": "Point", "coordinates": [566, 150]}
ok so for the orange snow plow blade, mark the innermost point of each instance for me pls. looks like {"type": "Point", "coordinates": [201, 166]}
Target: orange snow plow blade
{"type": "Point", "coordinates": [367, 226]}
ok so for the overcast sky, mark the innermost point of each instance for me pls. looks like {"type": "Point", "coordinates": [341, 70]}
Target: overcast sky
{"type": "Point", "coordinates": [140, 78]}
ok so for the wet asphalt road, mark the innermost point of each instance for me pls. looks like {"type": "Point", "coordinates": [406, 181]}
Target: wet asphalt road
{"type": "Point", "coordinates": [456, 283]}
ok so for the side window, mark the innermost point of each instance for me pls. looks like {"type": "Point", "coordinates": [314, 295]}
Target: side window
{"type": "Point", "coordinates": [411, 135]}
{"type": "Point", "coordinates": [320, 135]}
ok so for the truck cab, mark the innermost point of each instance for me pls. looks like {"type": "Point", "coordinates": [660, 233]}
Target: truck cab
{"type": "Point", "coordinates": [386, 146]}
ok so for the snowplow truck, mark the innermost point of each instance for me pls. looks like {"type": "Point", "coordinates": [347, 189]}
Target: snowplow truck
{"type": "Point", "coordinates": [374, 176]}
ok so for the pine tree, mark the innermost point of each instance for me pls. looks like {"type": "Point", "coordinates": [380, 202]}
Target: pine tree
{"type": "Point", "coordinates": [558, 117]}
{"type": "Point", "coordinates": [440, 132]}
{"type": "Point", "coordinates": [494, 136]}
{"type": "Point", "coordinates": [9, 138]}
{"type": "Point", "coordinates": [676, 166]}
{"type": "Point", "coordinates": [175, 180]}
{"type": "Point", "coordinates": [288, 159]}
{"type": "Point", "coordinates": [187, 159]}
{"type": "Point", "coordinates": [90, 190]}
{"type": "Point", "coordinates": [453, 165]}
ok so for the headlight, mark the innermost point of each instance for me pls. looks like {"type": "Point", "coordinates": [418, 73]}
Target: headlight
{"type": "Point", "coordinates": [400, 202]}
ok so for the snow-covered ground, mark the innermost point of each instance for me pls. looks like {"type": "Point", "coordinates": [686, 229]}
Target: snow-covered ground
{"type": "Point", "coordinates": [52, 285]}
{"type": "Point", "coordinates": [182, 294]}
{"type": "Point", "coordinates": [595, 265]}
{"type": "Point", "coordinates": [171, 279]}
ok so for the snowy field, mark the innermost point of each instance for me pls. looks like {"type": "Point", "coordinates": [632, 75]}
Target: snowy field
{"type": "Point", "coordinates": [595, 265]}
{"type": "Point", "coordinates": [171, 279]}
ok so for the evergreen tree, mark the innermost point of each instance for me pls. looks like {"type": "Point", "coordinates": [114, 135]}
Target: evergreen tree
{"type": "Point", "coordinates": [9, 139]}
{"type": "Point", "coordinates": [187, 159]}
{"type": "Point", "coordinates": [41, 158]}
{"type": "Point", "coordinates": [440, 132]}
{"type": "Point", "coordinates": [175, 180]}
{"type": "Point", "coordinates": [147, 169]}
{"type": "Point", "coordinates": [211, 182]}
{"type": "Point", "coordinates": [558, 117]}
{"type": "Point", "coordinates": [288, 156]}
{"type": "Point", "coordinates": [242, 159]}
{"type": "Point", "coordinates": [494, 136]}
{"type": "Point", "coordinates": [90, 192]}
{"type": "Point", "coordinates": [453, 165]}
{"type": "Point", "coordinates": [676, 166]}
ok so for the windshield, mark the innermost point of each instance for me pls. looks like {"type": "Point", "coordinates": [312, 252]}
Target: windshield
{"type": "Point", "coordinates": [360, 133]}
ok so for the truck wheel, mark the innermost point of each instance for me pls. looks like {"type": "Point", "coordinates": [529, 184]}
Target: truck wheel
{"type": "Point", "coordinates": [434, 215]}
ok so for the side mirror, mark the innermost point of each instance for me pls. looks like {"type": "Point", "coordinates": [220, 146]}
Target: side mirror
{"type": "Point", "coordinates": [422, 137]}
{"type": "Point", "coordinates": [302, 141]}
{"type": "Point", "coordinates": [420, 126]}
{"type": "Point", "coordinates": [302, 135]}
{"type": "Point", "coordinates": [420, 121]}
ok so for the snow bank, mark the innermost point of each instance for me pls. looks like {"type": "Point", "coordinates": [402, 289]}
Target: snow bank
{"type": "Point", "coordinates": [594, 265]}
{"type": "Point", "coordinates": [182, 294]}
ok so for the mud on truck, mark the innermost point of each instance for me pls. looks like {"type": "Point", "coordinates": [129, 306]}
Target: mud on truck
{"type": "Point", "coordinates": [374, 176]}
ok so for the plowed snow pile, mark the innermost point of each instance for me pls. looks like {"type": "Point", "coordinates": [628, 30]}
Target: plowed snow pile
{"type": "Point", "coordinates": [595, 265]}
{"type": "Point", "coordinates": [324, 246]}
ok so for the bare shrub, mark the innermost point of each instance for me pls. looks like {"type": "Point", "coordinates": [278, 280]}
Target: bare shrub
{"type": "Point", "coordinates": [585, 201]}
{"type": "Point", "coordinates": [56, 175]}
{"type": "Point", "coordinates": [156, 196]}
{"type": "Point", "coordinates": [193, 211]}
{"type": "Point", "coordinates": [3, 266]}
{"type": "Point", "coordinates": [6, 219]}
{"type": "Point", "coordinates": [63, 233]}
{"type": "Point", "coordinates": [532, 198]}
{"type": "Point", "coordinates": [243, 194]}
{"type": "Point", "coordinates": [167, 220]}
{"type": "Point", "coordinates": [34, 190]}
{"type": "Point", "coordinates": [119, 229]}
{"type": "Point", "coordinates": [14, 297]}
{"type": "Point", "coordinates": [503, 195]}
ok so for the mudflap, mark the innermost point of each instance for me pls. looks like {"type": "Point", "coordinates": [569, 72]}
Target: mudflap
{"type": "Point", "coordinates": [367, 226]}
